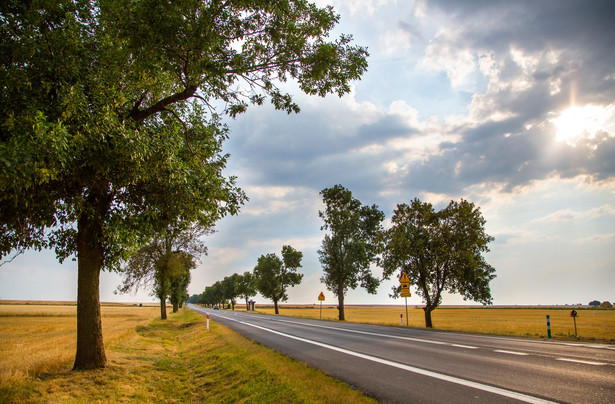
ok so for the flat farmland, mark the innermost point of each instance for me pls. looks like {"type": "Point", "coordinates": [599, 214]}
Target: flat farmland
{"type": "Point", "coordinates": [593, 325]}
{"type": "Point", "coordinates": [149, 360]}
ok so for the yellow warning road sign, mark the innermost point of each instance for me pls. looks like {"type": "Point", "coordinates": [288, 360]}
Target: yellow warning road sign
{"type": "Point", "coordinates": [405, 285]}
{"type": "Point", "coordinates": [321, 296]}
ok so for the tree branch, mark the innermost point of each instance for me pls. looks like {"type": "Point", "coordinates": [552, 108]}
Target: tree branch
{"type": "Point", "coordinates": [139, 115]}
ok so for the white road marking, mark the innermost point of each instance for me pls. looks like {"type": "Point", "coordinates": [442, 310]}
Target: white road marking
{"type": "Point", "coordinates": [511, 352]}
{"type": "Point", "coordinates": [580, 361]}
{"type": "Point", "coordinates": [427, 341]}
{"type": "Point", "coordinates": [479, 386]}
{"type": "Point", "coordinates": [464, 346]}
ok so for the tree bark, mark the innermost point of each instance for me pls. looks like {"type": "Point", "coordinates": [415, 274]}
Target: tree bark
{"type": "Point", "coordinates": [340, 305]}
{"type": "Point", "coordinates": [428, 322]}
{"type": "Point", "coordinates": [163, 308]}
{"type": "Point", "coordinates": [90, 252]}
{"type": "Point", "coordinates": [175, 307]}
{"type": "Point", "coordinates": [275, 304]}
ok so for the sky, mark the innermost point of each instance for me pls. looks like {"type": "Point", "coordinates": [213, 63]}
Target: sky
{"type": "Point", "coordinates": [508, 104]}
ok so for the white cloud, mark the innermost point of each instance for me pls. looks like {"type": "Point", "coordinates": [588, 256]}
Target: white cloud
{"type": "Point", "coordinates": [395, 43]}
{"type": "Point", "coordinates": [356, 7]}
{"type": "Point", "coordinates": [565, 215]}
{"type": "Point", "coordinates": [445, 53]}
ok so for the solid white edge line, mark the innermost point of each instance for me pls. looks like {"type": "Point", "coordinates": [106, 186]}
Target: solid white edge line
{"type": "Point", "coordinates": [479, 386]}
{"type": "Point", "coordinates": [580, 361]}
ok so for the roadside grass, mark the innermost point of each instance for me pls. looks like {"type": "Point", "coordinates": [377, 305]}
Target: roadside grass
{"type": "Point", "coordinates": [593, 325]}
{"type": "Point", "coordinates": [151, 360]}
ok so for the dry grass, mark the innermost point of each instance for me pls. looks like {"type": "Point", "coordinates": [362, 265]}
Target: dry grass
{"type": "Point", "coordinates": [592, 324]}
{"type": "Point", "coordinates": [42, 338]}
{"type": "Point", "coordinates": [151, 360]}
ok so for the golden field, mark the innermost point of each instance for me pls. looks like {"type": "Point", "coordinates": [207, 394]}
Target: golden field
{"type": "Point", "coordinates": [149, 360]}
{"type": "Point", "coordinates": [596, 325]}
{"type": "Point", "coordinates": [41, 336]}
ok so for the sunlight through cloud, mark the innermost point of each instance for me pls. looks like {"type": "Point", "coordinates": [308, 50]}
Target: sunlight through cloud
{"type": "Point", "coordinates": [577, 122]}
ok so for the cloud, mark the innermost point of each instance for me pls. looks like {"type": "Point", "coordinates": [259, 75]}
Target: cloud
{"type": "Point", "coordinates": [564, 215]}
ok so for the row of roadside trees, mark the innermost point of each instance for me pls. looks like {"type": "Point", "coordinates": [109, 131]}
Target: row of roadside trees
{"type": "Point", "coordinates": [272, 276]}
{"type": "Point", "coordinates": [439, 250]}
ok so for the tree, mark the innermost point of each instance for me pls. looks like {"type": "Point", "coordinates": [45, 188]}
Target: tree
{"type": "Point", "coordinates": [166, 260]}
{"type": "Point", "coordinates": [92, 93]}
{"type": "Point", "coordinates": [194, 299]}
{"type": "Point", "coordinates": [349, 250]}
{"type": "Point", "coordinates": [594, 303]}
{"type": "Point", "coordinates": [180, 279]}
{"type": "Point", "coordinates": [230, 288]}
{"type": "Point", "coordinates": [247, 287]}
{"type": "Point", "coordinates": [439, 251]}
{"type": "Point", "coordinates": [274, 275]}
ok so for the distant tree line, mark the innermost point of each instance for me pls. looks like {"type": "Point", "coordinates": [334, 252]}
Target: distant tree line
{"type": "Point", "coordinates": [597, 303]}
{"type": "Point", "coordinates": [271, 277]}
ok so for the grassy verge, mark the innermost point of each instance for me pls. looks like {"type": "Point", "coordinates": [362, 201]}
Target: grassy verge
{"type": "Point", "coordinates": [593, 325]}
{"type": "Point", "coordinates": [176, 360]}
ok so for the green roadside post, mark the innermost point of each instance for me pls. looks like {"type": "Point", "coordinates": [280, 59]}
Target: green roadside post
{"type": "Point", "coordinates": [548, 327]}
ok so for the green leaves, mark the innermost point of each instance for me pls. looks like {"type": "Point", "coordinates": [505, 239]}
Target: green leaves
{"type": "Point", "coordinates": [439, 250]}
{"type": "Point", "coordinates": [274, 275]}
{"type": "Point", "coordinates": [351, 247]}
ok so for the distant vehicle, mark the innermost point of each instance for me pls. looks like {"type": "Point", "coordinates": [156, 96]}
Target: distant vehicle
{"type": "Point", "coordinates": [216, 308]}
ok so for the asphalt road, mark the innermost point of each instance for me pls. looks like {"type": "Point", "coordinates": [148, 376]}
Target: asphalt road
{"type": "Point", "coordinates": [405, 365]}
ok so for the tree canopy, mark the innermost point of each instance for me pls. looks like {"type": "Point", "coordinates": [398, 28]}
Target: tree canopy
{"type": "Point", "coordinates": [439, 251]}
{"type": "Point", "coordinates": [164, 264]}
{"type": "Point", "coordinates": [104, 102]}
{"type": "Point", "coordinates": [350, 248]}
{"type": "Point", "coordinates": [274, 275]}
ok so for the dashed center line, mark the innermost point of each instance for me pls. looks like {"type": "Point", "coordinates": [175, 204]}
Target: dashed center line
{"type": "Point", "coordinates": [580, 361]}
{"type": "Point", "coordinates": [426, 341]}
{"type": "Point", "coordinates": [511, 352]}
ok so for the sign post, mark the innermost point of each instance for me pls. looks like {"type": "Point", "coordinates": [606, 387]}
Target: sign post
{"type": "Point", "coordinates": [574, 316]}
{"type": "Point", "coordinates": [548, 327]}
{"type": "Point", "coordinates": [321, 298]}
{"type": "Point", "coordinates": [405, 291]}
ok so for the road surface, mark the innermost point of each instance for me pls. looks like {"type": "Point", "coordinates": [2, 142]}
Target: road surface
{"type": "Point", "coordinates": [394, 364]}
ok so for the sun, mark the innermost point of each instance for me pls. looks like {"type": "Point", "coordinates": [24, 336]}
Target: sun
{"type": "Point", "coordinates": [576, 123]}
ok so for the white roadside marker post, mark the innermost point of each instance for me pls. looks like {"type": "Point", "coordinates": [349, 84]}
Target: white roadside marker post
{"type": "Point", "coordinates": [208, 322]}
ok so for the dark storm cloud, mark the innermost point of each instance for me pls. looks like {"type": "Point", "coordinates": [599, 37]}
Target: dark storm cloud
{"type": "Point", "coordinates": [314, 150]}
{"type": "Point", "coordinates": [521, 149]}
{"type": "Point", "coordinates": [322, 147]}
{"type": "Point", "coordinates": [583, 30]}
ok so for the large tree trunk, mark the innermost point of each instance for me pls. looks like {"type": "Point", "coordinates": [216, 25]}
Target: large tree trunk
{"type": "Point", "coordinates": [90, 253]}
{"type": "Point", "coordinates": [163, 308]}
{"type": "Point", "coordinates": [275, 304]}
{"type": "Point", "coordinates": [340, 305]}
{"type": "Point", "coordinates": [175, 307]}
{"type": "Point", "coordinates": [428, 322]}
